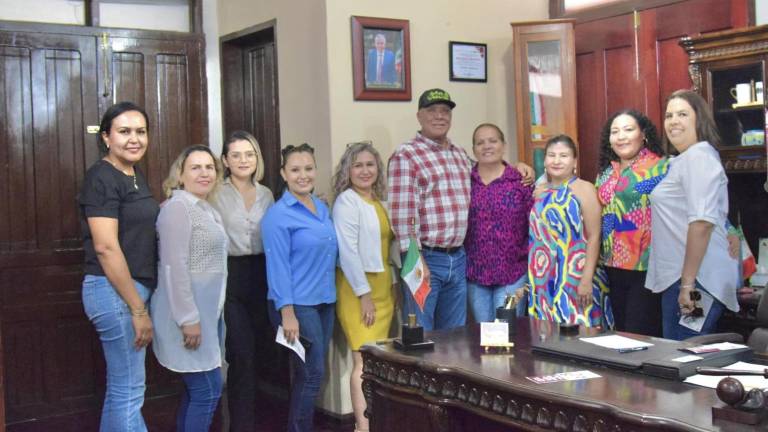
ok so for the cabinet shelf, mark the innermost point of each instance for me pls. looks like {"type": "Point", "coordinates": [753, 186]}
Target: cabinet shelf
{"type": "Point", "coordinates": [719, 63]}
{"type": "Point", "coordinates": [755, 108]}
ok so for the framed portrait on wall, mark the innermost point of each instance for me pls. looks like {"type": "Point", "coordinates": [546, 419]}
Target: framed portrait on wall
{"type": "Point", "coordinates": [381, 59]}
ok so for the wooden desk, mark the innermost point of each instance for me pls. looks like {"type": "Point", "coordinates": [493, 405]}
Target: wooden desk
{"type": "Point", "coordinates": [457, 388]}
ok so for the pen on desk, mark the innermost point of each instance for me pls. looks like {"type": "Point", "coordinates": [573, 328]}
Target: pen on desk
{"type": "Point", "coordinates": [629, 350]}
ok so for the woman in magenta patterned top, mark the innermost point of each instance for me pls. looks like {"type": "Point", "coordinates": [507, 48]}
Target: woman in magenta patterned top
{"type": "Point", "coordinates": [632, 163]}
{"type": "Point", "coordinates": [497, 233]}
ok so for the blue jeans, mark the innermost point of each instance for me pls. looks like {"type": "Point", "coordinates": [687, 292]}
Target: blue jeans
{"type": "Point", "coordinates": [446, 304]}
{"type": "Point", "coordinates": [316, 326]}
{"type": "Point", "coordinates": [670, 312]}
{"type": "Point", "coordinates": [484, 299]}
{"type": "Point", "coordinates": [125, 365]}
{"type": "Point", "coordinates": [199, 400]}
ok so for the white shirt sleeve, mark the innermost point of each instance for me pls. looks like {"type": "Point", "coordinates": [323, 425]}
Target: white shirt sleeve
{"type": "Point", "coordinates": [702, 177]}
{"type": "Point", "coordinates": [175, 232]}
{"type": "Point", "coordinates": [346, 221]}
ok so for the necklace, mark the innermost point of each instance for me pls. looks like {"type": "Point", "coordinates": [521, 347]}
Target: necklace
{"type": "Point", "coordinates": [133, 176]}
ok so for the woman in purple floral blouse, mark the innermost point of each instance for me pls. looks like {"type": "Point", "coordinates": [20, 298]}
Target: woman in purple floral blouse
{"type": "Point", "coordinates": [497, 235]}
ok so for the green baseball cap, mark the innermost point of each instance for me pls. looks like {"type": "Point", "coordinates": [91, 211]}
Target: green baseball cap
{"type": "Point", "coordinates": [435, 96]}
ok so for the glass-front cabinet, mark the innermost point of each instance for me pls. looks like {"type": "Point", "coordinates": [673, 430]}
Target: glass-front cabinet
{"type": "Point", "coordinates": [545, 87]}
{"type": "Point", "coordinates": [729, 69]}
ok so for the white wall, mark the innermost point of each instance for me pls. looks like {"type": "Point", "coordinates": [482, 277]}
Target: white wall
{"type": "Point", "coordinates": [168, 17]}
{"type": "Point", "coordinates": [761, 12]}
{"type": "Point", "coordinates": [432, 25]}
{"type": "Point", "coordinates": [213, 72]}
{"type": "Point", "coordinates": [48, 11]}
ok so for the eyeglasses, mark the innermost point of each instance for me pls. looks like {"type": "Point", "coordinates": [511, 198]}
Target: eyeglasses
{"type": "Point", "coordinates": [290, 149]}
{"type": "Point", "coordinates": [365, 142]}
{"type": "Point", "coordinates": [250, 155]}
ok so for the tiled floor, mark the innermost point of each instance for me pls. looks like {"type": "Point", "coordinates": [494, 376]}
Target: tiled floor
{"type": "Point", "coordinates": [160, 417]}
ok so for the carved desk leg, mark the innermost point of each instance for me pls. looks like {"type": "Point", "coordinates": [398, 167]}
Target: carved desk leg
{"type": "Point", "coordinates": [368, 389]}
{"type": "Point", "coordinates": [440, 418]}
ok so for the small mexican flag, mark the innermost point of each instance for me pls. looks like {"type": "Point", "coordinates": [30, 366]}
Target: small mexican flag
{"type": "Point", "coordinates": [413, 275]}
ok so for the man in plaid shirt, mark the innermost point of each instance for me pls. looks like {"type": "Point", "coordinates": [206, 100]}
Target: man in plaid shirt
{"type": "Point", "coordinates": [429, 192]}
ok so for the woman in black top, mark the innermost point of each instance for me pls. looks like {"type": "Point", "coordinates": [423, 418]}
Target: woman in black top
{"type": "Point", "coordinates": [118, 222]}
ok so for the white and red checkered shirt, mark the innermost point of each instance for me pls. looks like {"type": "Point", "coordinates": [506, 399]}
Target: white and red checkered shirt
{"type": "Point", "coordinates": [429, 193]}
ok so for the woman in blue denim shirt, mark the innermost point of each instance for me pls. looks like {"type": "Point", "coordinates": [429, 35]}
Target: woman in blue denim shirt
{"type": "Point", "coordinates": [119, 241]}
{"type": "Point", "coordinates": [300, 246]}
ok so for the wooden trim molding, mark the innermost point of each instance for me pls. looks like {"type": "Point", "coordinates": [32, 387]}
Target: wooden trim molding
{"type": "Point", "coordinates": [2, 384]}
{"type": "Point", "coordinates": [605, 9]}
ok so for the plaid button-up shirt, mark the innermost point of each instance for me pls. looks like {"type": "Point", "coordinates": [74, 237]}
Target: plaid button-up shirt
{"type": "Point", "coordinates": [429, 192]}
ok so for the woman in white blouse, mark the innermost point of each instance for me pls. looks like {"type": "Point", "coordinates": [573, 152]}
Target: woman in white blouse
{"type": "Point", "coordinates": [187, 307]}
{"type": "Point", "coordinates": [242, 202]}
{"type": "Point", "coordinates": [689, 261]}
{"type": "Point", "coordinates": [364, 291]}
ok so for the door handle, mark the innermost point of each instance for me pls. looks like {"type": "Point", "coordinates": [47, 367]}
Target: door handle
{"type": "Point", "coordinates": [105, 63]}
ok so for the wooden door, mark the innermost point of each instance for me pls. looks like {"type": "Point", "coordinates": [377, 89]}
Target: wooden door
{"type": "Point", "coordinates": [250, 94]}
{"type": "Point", "coordinates": [634, 61]}
{"type": "Point", "coordinates": [54, 82]}
{"type": "Point", "coordinates": [48, 87]}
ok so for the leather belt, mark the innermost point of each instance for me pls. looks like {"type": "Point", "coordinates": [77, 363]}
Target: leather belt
{"type": "Point", "coordinates": [448, 250]}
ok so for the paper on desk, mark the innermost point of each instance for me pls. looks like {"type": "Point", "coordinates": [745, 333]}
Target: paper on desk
{"type": "Point", "coordinates": [749, 382]}
{"type": "Point", "coordinates": [295, 346]}
{"type": "Point", "coordinates": [715, 347]}
{"type": "Point", "coordinates": [616, 342]}
{"type": "Point", "coordinates": [564, 376]}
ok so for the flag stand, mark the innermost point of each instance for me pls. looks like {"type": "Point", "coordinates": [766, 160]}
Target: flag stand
{"type": "Point", "coordinates": [412, 336]}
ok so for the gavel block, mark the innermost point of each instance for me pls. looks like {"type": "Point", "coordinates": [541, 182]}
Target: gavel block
{"type": "Point", "coordinates": [745, 407]}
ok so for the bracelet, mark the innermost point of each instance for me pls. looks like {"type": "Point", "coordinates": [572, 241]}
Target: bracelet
{"type": "Point", "coordinates": [139, 312]}
{"type": "Point", "coordinates": [693, 285]}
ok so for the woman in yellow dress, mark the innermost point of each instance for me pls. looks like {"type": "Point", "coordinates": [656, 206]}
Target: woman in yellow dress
{"type": "Point", "coordinates": [365, 300]}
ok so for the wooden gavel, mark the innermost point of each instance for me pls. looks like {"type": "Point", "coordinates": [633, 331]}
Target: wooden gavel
{"type": "Point", "coordinates": [731, 391]}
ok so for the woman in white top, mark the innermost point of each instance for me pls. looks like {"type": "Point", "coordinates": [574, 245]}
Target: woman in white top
{"type": "Point", "coordinates": [689, 261]}
{"type": "Point", "coordinates": [364, 290]}
{"type": "Point", "coordinates": [242, 202]}
{"type": "Point", "coordinates": [187, 307]}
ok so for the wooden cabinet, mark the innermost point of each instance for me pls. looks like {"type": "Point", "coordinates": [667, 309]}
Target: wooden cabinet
{"type": "Point", "coordinates": [725, 65]}
{"type": "Point", "coordinates": [545, 84]}
{"type": "Point", "coordinates": [721, 65]}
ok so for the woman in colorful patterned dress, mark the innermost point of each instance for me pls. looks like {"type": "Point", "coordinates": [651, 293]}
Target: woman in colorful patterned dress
{"type": "Point", "coordinates": [632, 163]}
{"type": "Point", "coordinates": [564, 241]}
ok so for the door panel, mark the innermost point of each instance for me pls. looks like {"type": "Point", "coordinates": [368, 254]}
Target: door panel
{"type": "Point", "coordinates": [17, 226]}
{"type": "Point", "coordinates": [50, 94]}
{"type": "Point", "coordinates": [250, 96]}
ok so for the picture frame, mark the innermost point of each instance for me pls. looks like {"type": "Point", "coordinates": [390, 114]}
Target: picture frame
{"type": "Point", "coordinates": [381, 59]}
{"type": "Point", "coordinates": [468, 61]}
